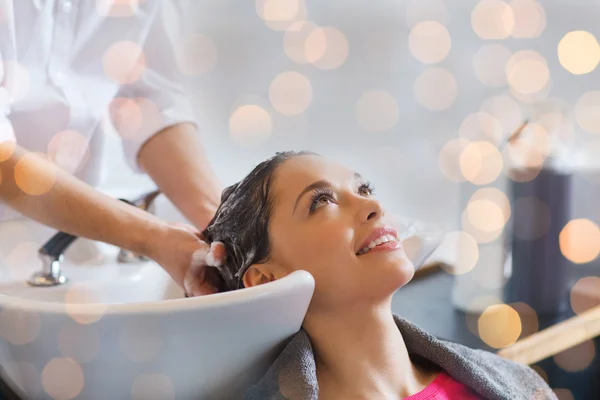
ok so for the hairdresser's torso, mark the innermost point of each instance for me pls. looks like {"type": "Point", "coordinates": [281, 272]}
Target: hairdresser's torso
{"type": "Point", "coordinates": [58, 64]}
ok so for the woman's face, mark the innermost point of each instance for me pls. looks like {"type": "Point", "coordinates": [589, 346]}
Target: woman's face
{"type": "Point", "coordinates": [323, 215]}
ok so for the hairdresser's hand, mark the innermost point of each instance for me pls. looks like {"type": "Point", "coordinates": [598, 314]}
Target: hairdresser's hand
{"type": "Point", "coordinates": [182, 253]}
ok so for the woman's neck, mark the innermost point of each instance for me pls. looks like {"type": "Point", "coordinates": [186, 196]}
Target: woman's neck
{"type": "Point", "coordinates": [360, 354]}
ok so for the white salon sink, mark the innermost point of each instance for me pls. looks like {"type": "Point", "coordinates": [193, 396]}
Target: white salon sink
{"type": "Point", "coordinates": [124, 331]}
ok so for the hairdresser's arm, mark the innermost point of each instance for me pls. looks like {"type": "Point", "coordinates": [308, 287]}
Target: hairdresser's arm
{"type": "Point", "coordinates": [177, 162]}
{"type": "Point", "coordinates": [39, 190]}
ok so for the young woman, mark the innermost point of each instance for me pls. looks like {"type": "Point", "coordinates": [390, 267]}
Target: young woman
{"type": "Point", "coordinates": [300, 211]}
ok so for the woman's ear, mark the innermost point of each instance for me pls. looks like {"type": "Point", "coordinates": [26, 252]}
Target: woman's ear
{"type": "Point", "coordinates": [257, 274]}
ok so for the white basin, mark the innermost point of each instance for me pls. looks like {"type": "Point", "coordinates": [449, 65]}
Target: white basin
{"type": "Point", "coordinates": [124, 331]}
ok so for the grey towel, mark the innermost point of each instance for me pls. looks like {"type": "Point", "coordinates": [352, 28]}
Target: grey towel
{"type": "Point", "coordinates": [293, 376]}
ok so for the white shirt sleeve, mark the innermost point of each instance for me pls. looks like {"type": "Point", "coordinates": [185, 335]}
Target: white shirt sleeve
{"type": "Point", "coordinates": [159, 92]}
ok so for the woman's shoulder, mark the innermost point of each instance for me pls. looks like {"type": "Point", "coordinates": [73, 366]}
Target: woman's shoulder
{"type": "Point", "coordinates": [485, 372]}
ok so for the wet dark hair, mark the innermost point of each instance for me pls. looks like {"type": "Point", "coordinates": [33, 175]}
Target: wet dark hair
{"type": "Point", "coordinates": [241, 222]}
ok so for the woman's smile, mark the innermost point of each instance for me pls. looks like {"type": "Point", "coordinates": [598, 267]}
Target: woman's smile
{"type": "Point", "coordinates": [391, 245]}
{"type": "Point", "coordinates": [381, 239]}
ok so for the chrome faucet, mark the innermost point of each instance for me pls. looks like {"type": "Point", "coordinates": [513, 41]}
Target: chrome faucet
{"type": "Point", "coordinates": [51, 253]}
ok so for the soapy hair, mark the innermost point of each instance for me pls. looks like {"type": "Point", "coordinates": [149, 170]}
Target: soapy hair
{"type": "Point", "coordinates": [241, 222]}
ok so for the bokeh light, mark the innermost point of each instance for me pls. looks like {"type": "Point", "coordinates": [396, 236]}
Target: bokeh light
{"type": "Point", "coordinates": [464, 247]}
{"type": "Point", "coordinates": [499, 326]}
{"type": "Point", "coordinates": [68, 150]}
{"type": "Point", "coordinates": [484, 218]}
{"type": "Point", "coordinates": [196, 55]}
{"type": "Point", "coordinates": [479, 303]}
{"type": "Point", "coordinates": [250, 125]}
{"type": "Point", "coordinates": [485, 215]}
{"type": "Point", "coordinates": [580, 241]}
{"type": "Point", "coordinates": [449, 159]}
{"type": "Point", "coordinates": [577, 358]}
{"type": "Point", "coordinates": [16, 80]}
{"type": "Point", "coordinates": [529, 319]}
{"type": "Point", "coordinates": [426, 10]}
{"type": "Point", "coordinates": [587, 112]}
{"type": "Point", "coordinates": [7, 148]}
{"type": "Point", "coordinates": [79, 342]}
{"type": "Point", "coordinates": [326, 48]}
{"type": "Point", "coordinates": [585, 294]}
{"type": "Point", "coordinates": [579, 52]}
{"type": "Point", "coordinates": [480, 236]}
{"type": "Point", "coordinates": [492, 19]}
{"type": "Point", "coordinates": [18, 326]}
{"type": "Point", "coordinates": [429, 42]}
{"type": "Point", "coordinates": [377, 111]}
{"type": "Point", "coordinates": [496, 196]}
{"type": "Point", "coordinates": [34, 174]}
{"type": "Point", "coordinates": [126, 117]}
{"type": "Point", "coordinates": [294, 42]}
{"type": "Point", "coordinates": [140, 340]}
{"type": "Point", "coordinates": [152, 387]}
{"type": "Point", "coordinates": [530, 19]}
{"type": "Point", "coordinates": [534, 136]}
{"type": "Point", "coordinates": [280, 14]}
{"type": "Point", "coordinates": [84, 303]}
{"type": "Point", "coordinates": [557, 123]}
{"type": "Point", "coordinates": [124, 62]}
{"type": "Point", "coordinates": [481, 163]}
{"type": "Point", "coordinates": [436, 89]}
{"type": "Point", "coordinates": [532, 98]}
{"type": "Point", "coordinates": [481, 127]}
{"type": "Point", "coordinates": [277, 10]}
{"type": "Point", "coordinates": [290, 93]}
{"type": "Point", "coordinates": [505, 110]}
{"type": "Point", "coordinates": [117, 8]}
{"type": "Point", "coordinates": [531, 218]}
{"type": "Point", "coordinates": [62, 378]}
{"type": "Point", "coordinates": [527, 72]}
{"type": "Point", "coordinates": [489, 64]}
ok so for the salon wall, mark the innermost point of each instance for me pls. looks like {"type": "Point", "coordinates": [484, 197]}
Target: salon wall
{"type": "Point", "coordinates": [390, 135]}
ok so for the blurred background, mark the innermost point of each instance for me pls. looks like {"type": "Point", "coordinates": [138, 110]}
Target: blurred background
{"type": "Point", "coordinates": [423, 98]}
{"type": "Point", "coordinates": [391, 88]}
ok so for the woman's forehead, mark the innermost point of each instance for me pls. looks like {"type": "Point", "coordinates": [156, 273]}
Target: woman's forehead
{"type": "Point", "coordinates": [298, 172]}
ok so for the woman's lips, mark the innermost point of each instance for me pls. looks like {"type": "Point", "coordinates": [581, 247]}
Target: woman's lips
{"type": "Point", "coordinates": [385, 247]}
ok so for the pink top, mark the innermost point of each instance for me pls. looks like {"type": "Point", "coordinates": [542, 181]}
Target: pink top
{"type": "Point", "coordinates": [444, 387]}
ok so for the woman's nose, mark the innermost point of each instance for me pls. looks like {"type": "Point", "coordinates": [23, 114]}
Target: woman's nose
{"type": "Point", "coordinates": [371, 209]}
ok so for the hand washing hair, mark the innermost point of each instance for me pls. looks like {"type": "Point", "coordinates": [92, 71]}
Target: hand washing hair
{"type": "Point", "coordinates": [241, 222]}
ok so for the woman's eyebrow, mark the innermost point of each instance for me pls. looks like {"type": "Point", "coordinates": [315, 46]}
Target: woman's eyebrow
{"type": "Point", "coordinates": [318, 185]}
{"type": "Point", "coordinates": [315, 185]}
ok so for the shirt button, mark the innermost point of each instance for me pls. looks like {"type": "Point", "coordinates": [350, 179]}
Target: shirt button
{"type": "Point", "coordinates": [66, 6]}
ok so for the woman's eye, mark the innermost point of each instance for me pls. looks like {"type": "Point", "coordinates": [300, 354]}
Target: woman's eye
{"type": "Point", "coordinates": [320, 199]}
{"type": "Point", "coordinates": [366, 189]}
{"type": "Point", "coordinates": [324, 199]}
